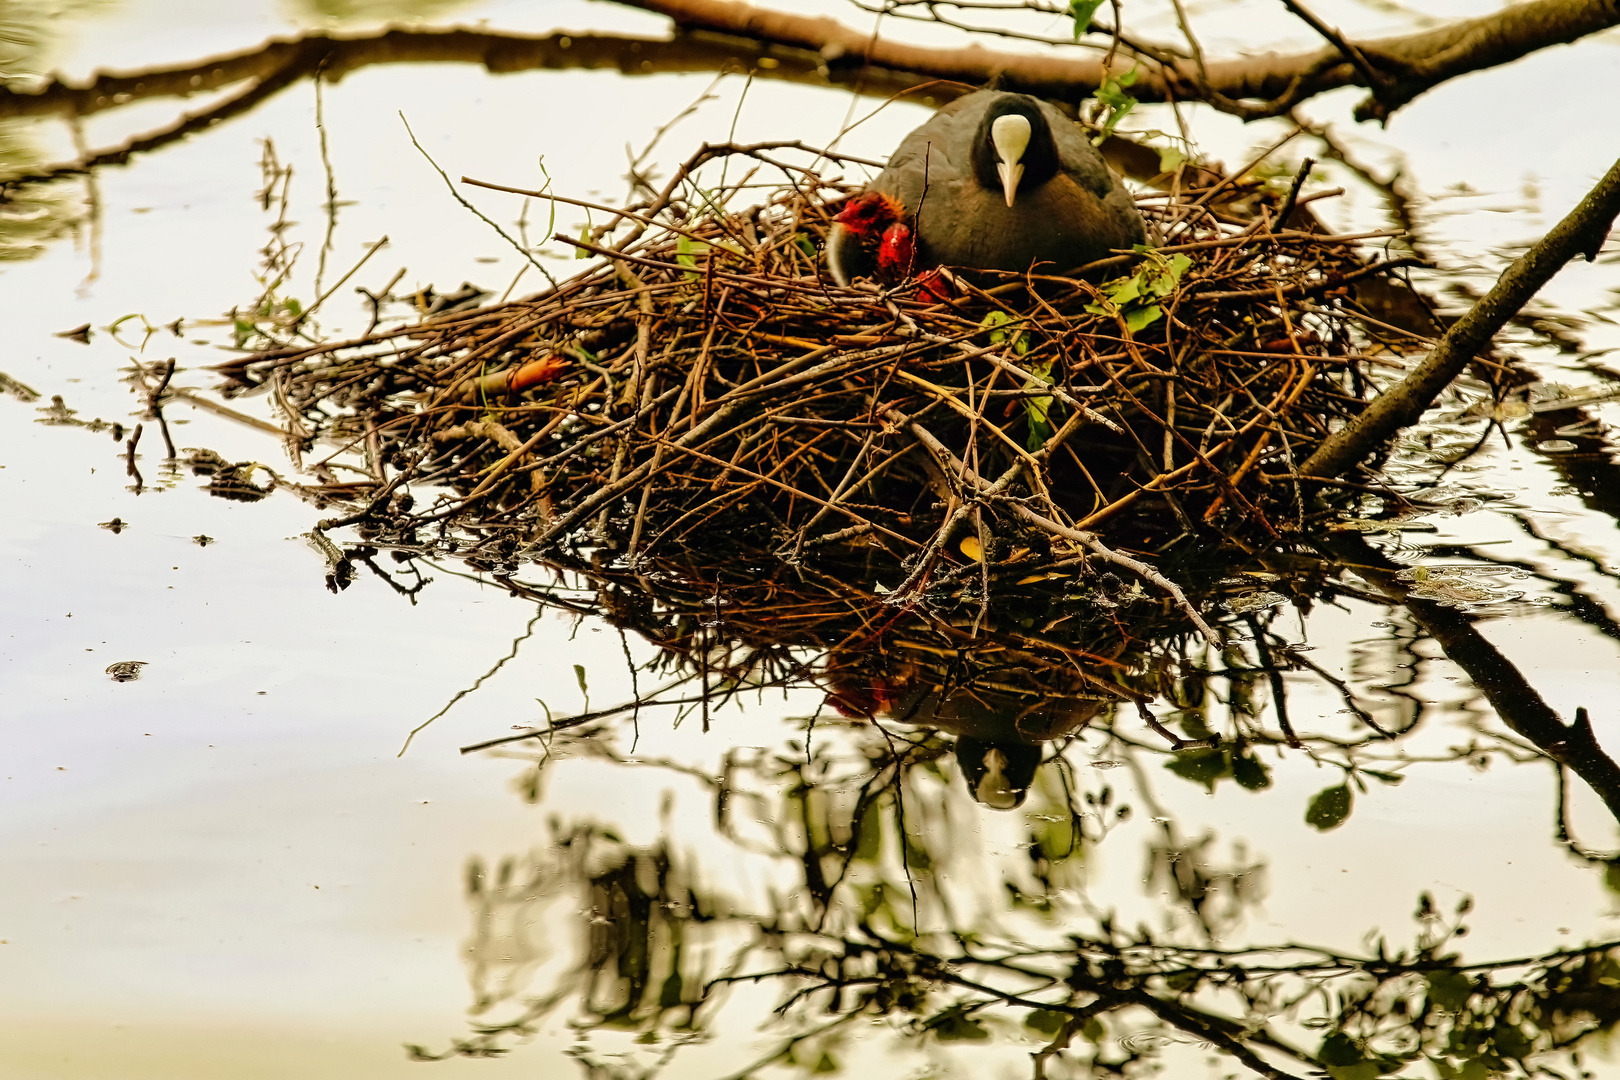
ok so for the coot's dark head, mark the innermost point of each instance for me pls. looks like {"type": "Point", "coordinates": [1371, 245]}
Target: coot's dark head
{"type": "Point", "coordinates": [998, 774]}
{"type": "Point", "coordinates": [1013, 149]}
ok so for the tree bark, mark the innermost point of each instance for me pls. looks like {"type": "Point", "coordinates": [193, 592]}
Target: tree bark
{"type": "Point", "coordinates": [1411, 63]}
{"type": "Point", "coordinates": [715, 34]}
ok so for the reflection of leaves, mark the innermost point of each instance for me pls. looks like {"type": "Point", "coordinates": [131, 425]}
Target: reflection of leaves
{"type": "Point", "coordinates": [1203, 765]}
{"type": "Point", "coordinates": [1046, 1021]}
{"type": "Point", "coordinates": [1449, 990]}
{"type": "Point", "coordinates": [843, 943]}
{"type": "Point", "coordinates": [1329, 809]}
{"type": "Point", "coordinates": [1207, 765]}
{"type": "Point", "coordinates": [1344, 1059]}
{"type": "Point", "coordinates": [1250, 773]}
{"type": "Point", "coordinates": [954, 1025]}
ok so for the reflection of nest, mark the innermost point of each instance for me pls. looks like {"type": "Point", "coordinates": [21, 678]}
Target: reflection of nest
{"type": "Point", "coordinates": [707, 376]}
{"type": "Point", "coordinates": [1061, 650]}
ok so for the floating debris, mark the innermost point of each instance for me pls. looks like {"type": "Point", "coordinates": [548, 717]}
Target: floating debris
{"type": "Point", "coordinates": [1255, 601]}
{"type": "Point", "coordinates": [16, 389]}
{"type": "Point", "coordinates": [126, 670]}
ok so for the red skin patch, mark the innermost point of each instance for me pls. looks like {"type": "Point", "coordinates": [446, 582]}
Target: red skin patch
{"type": "Point", "coordinates": [896, 252]}
{"type": "Point", "coordinates": [878, 222]}
{"type": "Point", "coordinates": [932, 288]}
{"type": "Point", "coordinates": [867, 215]}
{"type": "Point", "coordinates": [865, 698]}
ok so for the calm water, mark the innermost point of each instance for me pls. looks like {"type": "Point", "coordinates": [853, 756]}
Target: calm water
{"type": "Point", "coordinates": [228, 868]}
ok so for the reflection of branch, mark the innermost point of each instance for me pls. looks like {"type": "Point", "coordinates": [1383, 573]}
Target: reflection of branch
{"type": "Point", "coordinates": [499, 53]}
{"type": "Point", "coordinates": [517, 642]}
{"type": "Point", "coordinates": [1574, 746]}
{"type": "Point", "coordinates": [265, 86]}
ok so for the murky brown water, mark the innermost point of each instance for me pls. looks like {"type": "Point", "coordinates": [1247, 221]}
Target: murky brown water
{"type": "Point", "coordinates": [226, 867]}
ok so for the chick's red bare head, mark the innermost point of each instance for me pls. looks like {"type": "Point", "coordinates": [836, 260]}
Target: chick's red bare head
{"type": "Point", "coordinates": [870, 213]}
{"type": "Point", "coordinates": [896, 251]}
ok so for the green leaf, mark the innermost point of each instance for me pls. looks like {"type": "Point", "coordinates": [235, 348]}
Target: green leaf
{"type": "Point", "coordinates": [1040, 428]}
{"type": "Point", "coordinates": [1170, 158]}
{"type": "Point", "coordinates": [997, 323]}
{"type": "Point", "coordinates": [1038, 409]}
{"type": "Point", "coordinates": [686, 250]}
{"type": "Point", "coordinates": [1112, 94]}
{"type": "Point", "coordinates": [579, 677]}
{"type": "Point", "coordinates": [806, 245]}
{"type": "Point", "coordinates": [1138, 319]}
{"type": "Point", "coordinates": [1081, 11]}
{"type": "Point", "coordinates": [585, 235]}
{"type": "Point", "coordinates": [1123, 290]}
{"type": "Point", "coordinates": [1329, 809]}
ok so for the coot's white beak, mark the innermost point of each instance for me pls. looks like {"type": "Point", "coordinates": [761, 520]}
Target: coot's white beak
{"type": "Point", "coordinates": [1010, 136]}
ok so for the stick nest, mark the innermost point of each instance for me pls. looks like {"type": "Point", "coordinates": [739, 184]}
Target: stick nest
{"type": "Point", "coordinates": [703, 384]}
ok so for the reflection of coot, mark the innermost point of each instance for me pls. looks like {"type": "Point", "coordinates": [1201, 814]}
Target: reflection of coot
{"type": "Point", "coordinates": [998, 774]}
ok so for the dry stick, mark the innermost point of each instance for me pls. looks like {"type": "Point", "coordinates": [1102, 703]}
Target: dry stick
{"type": "Point", "coordinates": [986, 491]}
{"type": "Point", "coordinates": [1198, 203]}
{"type": "Point", "coordinates": [319, 300]}
{"type": "Point", "coordinates": [1377, 81]}
{"type": "Point", "coordinates": [192, 398]}
{"type": "Point", "coordinates": [706, 241]}
{"type": "Point", "coordinates": [1300, 288]}
{"type": "Point", "coordinates": [521, 250]}
{"type": "Point", "coordinates": [760, 478]}
{"type": "Point", "coordinates": [1293, 191]}
{"type": "Point", "coordinates": [844, 485]}
{"type": "Point", "coordinates": [1582, 232]}
{"type": "Point", "coordinates": [154, 405]}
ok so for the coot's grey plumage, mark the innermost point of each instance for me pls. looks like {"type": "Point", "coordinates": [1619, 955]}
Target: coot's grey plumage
{"type": "Point", "coordinates": [999, 181]}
